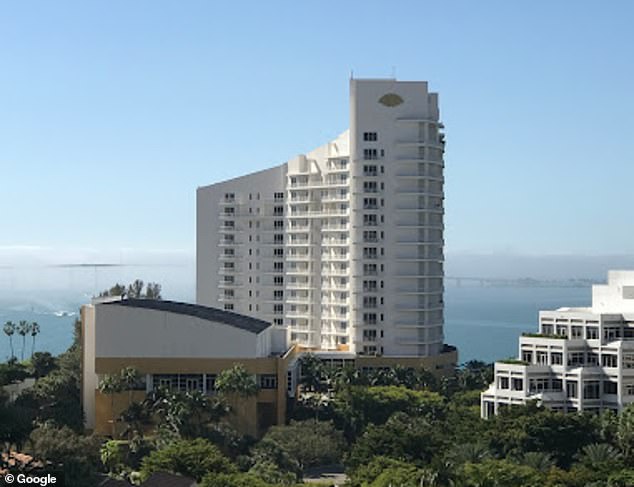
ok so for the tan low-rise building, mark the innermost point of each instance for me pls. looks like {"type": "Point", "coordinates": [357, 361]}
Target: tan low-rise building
{"type": "Point", "coordinates": [182, 347]}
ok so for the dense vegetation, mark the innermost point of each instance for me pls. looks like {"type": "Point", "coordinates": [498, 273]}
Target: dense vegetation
{"type": "Point", "coordinates": [395, 427]}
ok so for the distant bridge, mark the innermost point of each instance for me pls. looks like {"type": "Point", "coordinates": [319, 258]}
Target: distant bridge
{"type": "Point", "coordinates": [519, 282]}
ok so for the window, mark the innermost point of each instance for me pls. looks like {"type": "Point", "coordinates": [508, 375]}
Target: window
{"type": "Point", "coordinates": [593, 358]}
{"type": "Point", "coordinates": [527, 357]}
{"type": "Point", "coordinates": [370, 187]}
{"type": "Point", "coordinates": [369, 318]}
{"type": "Point", "coordinates": [571, 389]}
{"type": "Point", "coordinates": [278, 295]}
{"type": "Point", "coordinates": [370, 154]}
{"type": "Point", "coordinates": [592, 333]}
{"type": "Point", "coordinates": [369, 335]}
{"type": "Point", "coordinates": [628, 360]}
{"type": "Point", "coordinates": [268, 381]}
{"type": "Point", "coordinates": [369, 270]}
{"type": "Point", "coordinates": [230, 196]}
{"type": "Point", "coordinates": [369, 286]}
{"type": "Point", "coordinates": [610, 387]}
{"type": "Point", "coordinates": [591, 389]}
{"type": "Point", "coordinates": [278, 210]}
{"type": "Point", "coordinates": [503, 382]}
{"type": "Point", "coordinates": [370, 236]}
{"type": "Point", "coordinates": [370, 220]}
{"type": "Point", "coordinates": [518, 384]}
{"type": "Point", "coordinates": [210, 382]}
{"type": "Point", "coordinates": [557, 385]}
{"type": "Point", "coordinates": [228, 307]}
{"type": "Point", "coordinates": [370, 203]}
{"type": "Point", "coordinates": [278, 266]}
{"type": "Point", "coordinates": [629, 389]}
{"type": "Point", "coordinates": [369, 350]}
{"type": "Point", "coordinates": [608, 360]}
{"type": "Point", "coordinates": [542, 358]}
{"type": "Point", "coordinates": [278, 238]}
{"type": "Point", "coordinates": [278, 224]}
{"type": "Point", "coordinates": [369, 301]}
{"type": "Point", "coordinates": [370, 171]}
{"type": "Point", "coordinates": [576, 358]}
{"type": "Point", "coordinates": [556, 358]}
{"type": "Point", "coordinates": [278, 196]}
{"type": "Point", "coordinates": [369, 136]}
{"type": "Point", "coordinates": [370, 253]}
{"type": "Point", "coordinates": [165, 381]}
{"type": "Point", "coordinates": [278, 280]}
{"type": "Point", "coordinates": [278, 309]}
{"type": "Point", "coordinates": [577, 332]}
{"type": "Point", "coordinates": [278, 252]}
{"type": "Point", "coordinates": [538, 385]}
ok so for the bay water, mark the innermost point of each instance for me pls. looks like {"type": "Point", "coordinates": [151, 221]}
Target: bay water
{"type": "Point", "coordinates": [484, 322]}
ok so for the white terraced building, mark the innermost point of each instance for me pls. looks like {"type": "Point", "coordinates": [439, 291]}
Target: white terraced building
{"type": "Point", "coordinates": [582, 359]}
{"type": "Point", "coordinates": [343, 245]}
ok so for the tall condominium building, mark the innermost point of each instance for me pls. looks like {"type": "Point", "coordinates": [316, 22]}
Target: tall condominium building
{"type": "Point", "coordinates": [582, 359]}
{"type": "Point", "coordinates": [342, 245]}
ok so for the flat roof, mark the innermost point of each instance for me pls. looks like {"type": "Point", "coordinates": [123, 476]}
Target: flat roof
{"type": "Point", "coordinates": [247, 323]}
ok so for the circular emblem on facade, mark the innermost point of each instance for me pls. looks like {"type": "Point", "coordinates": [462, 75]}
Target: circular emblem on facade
{"type": "Point", "coordinates": [390, 100]}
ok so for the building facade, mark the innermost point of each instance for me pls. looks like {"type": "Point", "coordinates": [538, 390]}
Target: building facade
{"type": "Point", "coordinates": [181, 347]}
{"type": "Point", "coordinates": [342, 246]}
{"type": "Point", "coordinates": [582, 359]}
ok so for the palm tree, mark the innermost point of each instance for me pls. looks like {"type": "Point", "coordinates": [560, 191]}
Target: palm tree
{"type": "Point", "coordinates": [35, 330]}
{"type": "Point", "coordinates": [129, 379]}
{"type": "Point", "coordinates": [24, 328]}
{"type": "Point", "coordinates": [136, 417]}
{"type": "Point", "coordinates": [596, 454]}
{"type": "Point", "coordinates": [538, 460]}
{"type": "Point", "coordinates": [312, 370]}
{"type": "Point", "coordinates": [238, 383]}
{"type": "Point", "coordinates": [9, 330]}
{"type": "Point", "coordinates": [111, 385]}
{"type": "Point", "coordinates": [462, 453]}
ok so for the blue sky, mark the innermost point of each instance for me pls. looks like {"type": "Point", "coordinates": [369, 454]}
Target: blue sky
{"type": "Point", "coordinates": [113, 112]}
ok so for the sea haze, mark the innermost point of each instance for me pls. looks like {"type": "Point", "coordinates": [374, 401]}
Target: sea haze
{"type": "Point", "coordinates": [483, 321]}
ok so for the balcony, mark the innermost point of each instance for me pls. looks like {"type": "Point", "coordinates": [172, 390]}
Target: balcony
{"type": "Point", "coordinates": [420, 143]}
{"type": "Point", "coordinates": [334, 228]}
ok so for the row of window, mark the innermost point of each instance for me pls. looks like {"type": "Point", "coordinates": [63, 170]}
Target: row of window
{"type": "Point", "coordinates": [591, 389]}
{"type": "Point", "coordinates": [575, 359]}
{"type": "Point", "coordinates": [278, 196]}
{"type": "Point", "coordinates": [202, 382]}
{"type": "Point", "coordinates": [591, 332]}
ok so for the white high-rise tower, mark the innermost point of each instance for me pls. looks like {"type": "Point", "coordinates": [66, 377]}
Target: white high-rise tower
{"type": "Point", "coordinates": [342, 245]}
